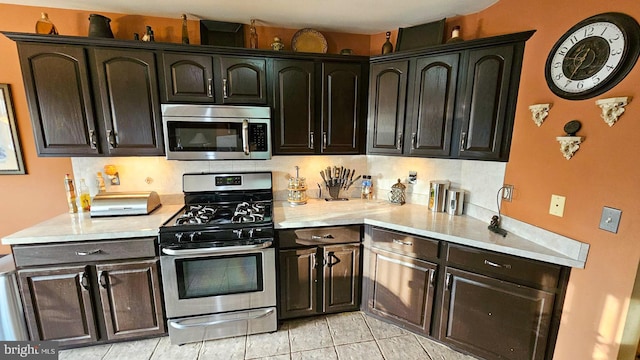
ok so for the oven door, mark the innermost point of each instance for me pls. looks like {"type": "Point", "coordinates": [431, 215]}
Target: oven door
{"type": "Point", "coordinates": [214, 280]}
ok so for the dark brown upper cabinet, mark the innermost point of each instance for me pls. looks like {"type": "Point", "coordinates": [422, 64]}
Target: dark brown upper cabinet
{"type": "Point", "coordinates": [87, 101]}
{"type": "Point", "coordinates": [198, 78]}
{"type": "Point", "coordinates": [460, 99]}
{"type": "Point", "coordinates": [56, 80]}
{"type": "Point", "coordinates": [126, 89]}
{"type": "Point", "coordinates": [318, 107]}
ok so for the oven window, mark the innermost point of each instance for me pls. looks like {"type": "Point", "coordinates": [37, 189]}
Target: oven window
{"type": "Point", "coordinates": [203, 136]}
{"type": "Point", "coordinates": [220, 275]}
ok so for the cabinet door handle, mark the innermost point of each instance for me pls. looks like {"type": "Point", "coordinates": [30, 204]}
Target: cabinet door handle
{"type": "Point", "coordinates": [311, 145]}
{"type": "Point", "coordinates": [432, 278]}
{"type": "Point", "coordinates": [102, 279]}
{"type": "Point", "coordinates": [210, 88]}
{"type": "Point", "coordinates": [400, 242]}
{"type": "Point", "coordinates": [93, 142]}
{"type": "Point", "coordinates": [90, 252]}
{"type": "Point", "coordinates": [324, 140]}
{"type": "Point", "coordinates": [112, 139]}
{"type": "Point", "coordinates": [463, 139]}
{"type": "Point", "coordinates": [84, 281]}
{"type": "Point", "coordinates": [224, 89]}
{"type": "Point", "coordinates": [413, 141]}
{"type": "Point", "coordinates": [496, 265]}
{"type": "Point", "coordinates": [399, 141]}
{"type": "Point", "coordinates": [448, 281]}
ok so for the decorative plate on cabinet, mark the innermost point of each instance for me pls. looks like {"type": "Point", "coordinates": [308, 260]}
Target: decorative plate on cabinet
{"type": "Point", "coordinates": [309, 40]}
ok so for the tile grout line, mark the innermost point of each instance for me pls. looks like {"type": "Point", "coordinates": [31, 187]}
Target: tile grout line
{"type": "Point", "coordinates": [364, 318]}
{"type": "Point", "coordinates": [154, 348]}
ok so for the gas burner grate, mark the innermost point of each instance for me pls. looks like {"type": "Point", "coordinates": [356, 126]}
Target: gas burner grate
{"type": "Point", "coordinates": [248, 213]}
{"type": "Point", "coordinates": [245, 212]}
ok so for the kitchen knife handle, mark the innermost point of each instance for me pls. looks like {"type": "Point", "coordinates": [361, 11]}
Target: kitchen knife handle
{"type": "Point", "coordinates": [463, 139]}
{"type": "Point", "coordinates": [311, 145]}
{"type": "Point", "coordinates": [210, 88]}
{"type": "Point", "coordinates": [399, 141]}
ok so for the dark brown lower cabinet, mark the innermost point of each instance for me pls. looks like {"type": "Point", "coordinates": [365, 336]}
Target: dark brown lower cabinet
{"type": "Point", "coordinates": [318, 280]}
{"type": "Point", "coordinates": [493, 318]}
{"type": "Point", "coordinates": [402, 289]}
{"type": "Point", "coordinates": [68, 303]}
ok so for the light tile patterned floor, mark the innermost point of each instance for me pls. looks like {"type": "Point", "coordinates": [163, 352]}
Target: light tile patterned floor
{"type": "Point", "coordinates": [353, 336]}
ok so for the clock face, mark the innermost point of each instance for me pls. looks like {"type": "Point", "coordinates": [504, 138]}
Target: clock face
{"type": "Point", "coordinates": [593, 56]}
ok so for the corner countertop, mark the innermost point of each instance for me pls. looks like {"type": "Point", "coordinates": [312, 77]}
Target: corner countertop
{"type": "Point", "coordinates": [81, 227]}
{"type": "Point", "coordinates": [418, 220]}
{"type": "Point", "coordinates": [410, 218]}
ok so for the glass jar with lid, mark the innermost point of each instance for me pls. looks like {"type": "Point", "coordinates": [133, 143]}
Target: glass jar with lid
{"type": "Point", "coordinates": [397, 194]}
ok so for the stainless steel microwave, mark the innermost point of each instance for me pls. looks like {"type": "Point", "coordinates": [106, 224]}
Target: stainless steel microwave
{"type": "Point", "coordinates": [216, 132]}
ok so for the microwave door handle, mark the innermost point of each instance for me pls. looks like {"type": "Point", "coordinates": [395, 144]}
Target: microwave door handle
{"type": "Point", "coordinates": [217, 250]}
{"type": "Point", "coordinates": [245, 136]}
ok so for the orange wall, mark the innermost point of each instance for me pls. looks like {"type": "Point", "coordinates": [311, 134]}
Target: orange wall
{"type": "Point", "coordinates": [602, 173]}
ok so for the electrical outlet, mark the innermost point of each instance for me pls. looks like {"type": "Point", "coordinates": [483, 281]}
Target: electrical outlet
{"type": "Point", "coordinates": [557, 205]}
{"type": "Point", "coordinates": [507, 192]}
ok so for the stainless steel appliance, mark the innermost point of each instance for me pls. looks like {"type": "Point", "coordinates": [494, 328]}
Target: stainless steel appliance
{"type": "Point", "coordinates": [218, 260]}
{"type": "Point", "coordinates": [124, 203]}
{"type": "Point", "coordinates": [438, 195]}
{"type": "Point", "coordinates": [12, 323]}
{"type": "Point", "coordinates": [215, 132]}
{"type": "Point", "coordinates": [455, 201]}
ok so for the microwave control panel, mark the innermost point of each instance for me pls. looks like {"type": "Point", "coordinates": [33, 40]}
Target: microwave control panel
{"type": "Point", "coordinates": [258, 137]}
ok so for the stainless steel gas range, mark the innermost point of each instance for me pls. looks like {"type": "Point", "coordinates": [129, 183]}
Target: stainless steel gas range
{"type": "Point", "coordinates": [218, 260]}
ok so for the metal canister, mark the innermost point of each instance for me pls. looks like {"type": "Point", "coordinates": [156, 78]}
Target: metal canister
{"type": "Point", "coordinates": [438, 195]}
{"type": "Point", "coordinates": [455, 201]}
{"type": "Point", "coordinates": [397, 194]}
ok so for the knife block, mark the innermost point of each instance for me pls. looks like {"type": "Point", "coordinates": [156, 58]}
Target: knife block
{"type": "Point", "coordinates": [334, 192]}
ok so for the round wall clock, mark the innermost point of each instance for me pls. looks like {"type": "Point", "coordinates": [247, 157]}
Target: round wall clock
{"type": "Point", "coordinates": [593, 56]}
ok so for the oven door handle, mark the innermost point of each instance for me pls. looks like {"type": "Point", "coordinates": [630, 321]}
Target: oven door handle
{"type": "Point", "coordinates": [178, 325]}
{"type": "Point", "coordinates": [245, 136]}
{"type": "Point", "coordinates": [217, 250]}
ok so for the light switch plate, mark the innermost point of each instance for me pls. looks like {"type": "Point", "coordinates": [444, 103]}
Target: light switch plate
{"type": "Point", "coordinates": [557, 205]}
{"type": "Point", "coordinates": [610, 219]}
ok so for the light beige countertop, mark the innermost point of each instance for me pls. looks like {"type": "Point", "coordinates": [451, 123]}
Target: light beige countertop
{"type": "Point", "coordinates": [81, 227]}
{"type": "Point", "coordinates": [418, 220]}
{"type": "Point", "coordinates": [411, 218]}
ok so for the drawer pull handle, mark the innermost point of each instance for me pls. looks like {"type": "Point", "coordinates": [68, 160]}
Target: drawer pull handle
{"type": "Point", "coordinates": [103, 279]}
{"type": "Point", "coordinates": [90, 252]}
{"type": "Point", "coordinates": [502, 266]}
{"type": "Point", "coordinates": [400, 242]}
{"type": "Point", "coordinates": [316, 237]}
{"type": "Point", "coordinates": [84, 281]}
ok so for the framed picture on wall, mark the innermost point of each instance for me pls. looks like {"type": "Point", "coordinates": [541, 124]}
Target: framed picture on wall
{"type": "Point", "coordinates": [10, 153]}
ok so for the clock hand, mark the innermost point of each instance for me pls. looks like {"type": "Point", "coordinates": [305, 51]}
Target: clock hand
{"type": "Point", "coordinates": [581, 60]}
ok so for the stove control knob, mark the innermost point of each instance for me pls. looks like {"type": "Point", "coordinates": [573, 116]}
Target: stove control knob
{"type": "Point", "coordinates": [251, 231]}
{"type": "Point", "coordinates": [238, 232]}
{"type": "Point", "coordinates": [194, 234]}
{"type": "Point", "coordinates": [179, 237]}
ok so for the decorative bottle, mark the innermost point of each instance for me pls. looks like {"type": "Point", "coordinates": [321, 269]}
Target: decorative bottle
{"type": "Point", "coordinates": [71, 194]}
{"type": "Point", "coordinates": [85, 197]}
{"type": "Point", "coordinates": [45, 26]}
{"type": "Point", "coordinates": [253, 35]}
{"type": "Point", "coordinates": [185, 30]}
{"type": "Point", "coordinates": [101, 186]}
{"type": "Point", "coordinates": [387, 47]}
{"type": "Point", "coordinates": [455, 35]}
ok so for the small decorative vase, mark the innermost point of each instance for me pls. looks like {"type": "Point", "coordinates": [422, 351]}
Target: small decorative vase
{"type": "Point", "coordinates": [45, 26]}
{"type": "Point", "coordinates": [185, 30]}
{"type": "Point", "coordinates": [253, 35]}
{"type": "Point", "coordinates": [387, 47]}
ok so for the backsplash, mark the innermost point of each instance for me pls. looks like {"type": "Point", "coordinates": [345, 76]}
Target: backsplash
{"type": "Point", "coordinates": [480, 179]}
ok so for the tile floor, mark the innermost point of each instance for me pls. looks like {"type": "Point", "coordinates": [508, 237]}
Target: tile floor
{"type": "Point", "coordinates": [351, 335]}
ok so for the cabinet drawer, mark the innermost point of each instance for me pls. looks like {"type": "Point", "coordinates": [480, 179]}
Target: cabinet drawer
{"type": "Point", "coordinates": [414, 246]}
{"type": "Point", "coordinates": [83, 252]}
{"type": "Point", "coordinates": [486, 262]}
{"type": "Point", "coordinates": [319, 236]}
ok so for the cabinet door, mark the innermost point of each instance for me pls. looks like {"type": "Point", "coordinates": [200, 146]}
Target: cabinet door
{"type": "Point", "coordinates": [243, 80]}
{"type": "Point", "coordinates": [294, 121]}
{"type": "Point", "coordinates": [387, 103]}
{"type": "Point", "coordinates": [401, 289]}
{"type": "Point", "coordinates": [486, 96]}
{"type": "Point", "coordinates": [58, 304]}
{"type": "Point", "coordinates": [56, 80]}
{"type": "Point", "coordinates": [188, 78]}
{"type": "Point", "coordinates": [495, 319]}
{"type": "Point", "coordinates": [434, 93]}
{"type": "Point", "coordinates": [341, 279]}
{"type": "Point", "coordinates": [131, 299]}
{"type": "Point", "coordinates": [298, 283]}
{"type": "Point", "coordinates": [127, 91]}
{"type": "Point", "coordinates": [341, 95]}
